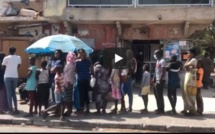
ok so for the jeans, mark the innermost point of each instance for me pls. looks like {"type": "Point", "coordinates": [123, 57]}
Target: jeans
{"type": "Point", "coordinates": [158, 91]}
{"type": "Point", "coordinates": [11, 84]}
{"type": "Point", "coordinates": [127, 88]}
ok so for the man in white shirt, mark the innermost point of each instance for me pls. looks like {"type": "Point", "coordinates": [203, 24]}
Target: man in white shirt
{"type": "Point", "coordinates": [11, 64]}
{"type": "Point", "coordinates": [160, 78]}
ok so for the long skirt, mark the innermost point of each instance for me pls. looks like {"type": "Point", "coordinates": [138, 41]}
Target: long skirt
{"type": "Point", "coordinates": [3, 100]}
{"type": "Point", "coordinates": [189, 99]}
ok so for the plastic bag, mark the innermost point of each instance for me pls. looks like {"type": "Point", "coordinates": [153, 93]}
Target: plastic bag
{"type": "Point", "coordinates": [11, 11]}
{"type": "Point", "coordinates": [92, 82]}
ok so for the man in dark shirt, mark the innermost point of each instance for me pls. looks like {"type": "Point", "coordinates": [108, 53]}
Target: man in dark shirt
{"type": "Point", "coordinates": [207, 65]}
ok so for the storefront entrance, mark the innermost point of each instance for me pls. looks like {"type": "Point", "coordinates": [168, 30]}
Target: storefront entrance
{"type": "Point", "coordinates": [143, 52]}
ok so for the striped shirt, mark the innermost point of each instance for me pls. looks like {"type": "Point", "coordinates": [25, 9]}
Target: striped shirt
{"type": "Point", "coordinates": [59, 79]}
{"type": "Point", "coordinates": [83, 69]}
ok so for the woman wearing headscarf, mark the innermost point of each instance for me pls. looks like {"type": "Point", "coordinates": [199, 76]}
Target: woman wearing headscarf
{"type": "Point", "coordinates": [3, 94]}
{"type": "Point", "coordinates": [69, 80]}
{"type": "Point", "coordinates": [102, 86]}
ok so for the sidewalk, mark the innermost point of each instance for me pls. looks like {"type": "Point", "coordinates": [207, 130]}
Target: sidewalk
{"type": "Point", "coordinates": [134, 120]}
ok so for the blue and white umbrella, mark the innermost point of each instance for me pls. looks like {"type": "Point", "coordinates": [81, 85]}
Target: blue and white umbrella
{"type": "Point", "coordinates": [51, 43]}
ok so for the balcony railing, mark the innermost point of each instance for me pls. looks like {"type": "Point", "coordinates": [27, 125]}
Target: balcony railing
{"type": "Point", "coordinates": [138, 3]}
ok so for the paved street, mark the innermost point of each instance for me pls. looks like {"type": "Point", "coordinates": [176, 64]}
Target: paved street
{"type": "Point", "coordinates": [133, 120]}
{"type": "Point", "coordinates": [31, 129]}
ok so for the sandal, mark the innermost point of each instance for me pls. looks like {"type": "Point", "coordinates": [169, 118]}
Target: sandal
{"type": "Point", "coordinates": [114, 111]}
{"type": "Point", "coordinates": [44, 115]}
{"type": "Point", "coordinates": [144, 111]}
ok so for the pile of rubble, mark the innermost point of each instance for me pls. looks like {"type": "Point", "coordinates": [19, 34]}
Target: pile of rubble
{"type": "Point", "coordinates": [8, 9]}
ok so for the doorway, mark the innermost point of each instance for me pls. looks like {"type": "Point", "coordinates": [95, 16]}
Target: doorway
{"type": "Point", "coordinates": [143, 51]}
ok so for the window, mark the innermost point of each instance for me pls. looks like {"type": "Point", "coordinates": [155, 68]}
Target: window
{"type": "Point", "coordinates": [202, 2]}
{"type": "Point", "coordinates": [99, 2]}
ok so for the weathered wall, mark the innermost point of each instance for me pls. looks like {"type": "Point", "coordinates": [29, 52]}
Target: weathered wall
{"type": "Point", "coordinates": [54, 8]}
{"type": "Point", "coordinates": [101, 35]}
{"type": "Point", "coordinates": [160, 31]}
{"type": "Point", "coordinates": [145, 14]}
{"type": "Point", "coordinates": [35, 4]}
{"type": "Point", "coordinates": [4, 27]}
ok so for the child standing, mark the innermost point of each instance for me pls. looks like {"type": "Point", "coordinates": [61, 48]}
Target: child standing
{"type": "Point", "coordinates": [199, 84]}
{"type": "Point", "coordinates": [115, 86]}
{"type": "Point", "coordinates": [31, 85]}
{"type": "Point", "coordinates": [58, 92]}
{"type": "Point", "coordinates": [145, 84]}
{"type": "Point", "coordinates": [43, 87]}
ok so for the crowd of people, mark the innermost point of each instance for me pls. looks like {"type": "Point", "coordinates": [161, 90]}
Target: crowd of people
{"type": "Point", "coordinates": [71, 78]}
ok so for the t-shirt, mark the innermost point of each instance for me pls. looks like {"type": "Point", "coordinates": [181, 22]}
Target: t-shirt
{"type": "Point", "coordinates": [59, 79]}
{"type": "Point", "coordinates": [145, 79]}
{"type": "Point", "coordinates": [158, 69]}
{"type": "Point", "coordinates": [199, 77]}
{"type": "Point", "coordinates": [44, 76]}
{"type": "Point", "coordinates": [11, 62]}
{"type": "Point", "coordinates": [31, 83]}
{"type": "Point", "coordinates": [83, 69]}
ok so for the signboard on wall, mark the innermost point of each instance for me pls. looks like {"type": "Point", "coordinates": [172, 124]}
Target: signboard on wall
{"type": "Point", "coordinates": [31, 31]}
{"type": "Point", "coordinates": [171, 49]}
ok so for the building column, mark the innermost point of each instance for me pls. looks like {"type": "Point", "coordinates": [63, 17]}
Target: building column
{"type": "Point", "coordinates": [68, 27]}
{"type": "Point", "coordinates": [119, 34]}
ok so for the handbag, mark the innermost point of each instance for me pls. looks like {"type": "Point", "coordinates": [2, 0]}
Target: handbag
{"type": "Point", "coordinates": [92, 82]}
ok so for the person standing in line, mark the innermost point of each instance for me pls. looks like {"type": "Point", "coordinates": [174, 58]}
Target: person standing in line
{"type": "Point", "coordinates": [31, 85]}
{"type": "Point", "coordinates": [59, 93]}
{"type": "Point", "coordinates": [206, 65]}
{"type": "Point", "coordinates": [190, 86]}
{"type": "Point", "coordinates": [69, 81]}
{"type": "Point", "coordinates": [58, 60]}
{"type": "Point", "coordinates": [83, 69]}
{"type": "Point", "coordinates": [145, 87]}
{"type": "Point", "coordinates": [160, 78]}
{"type": "Point", "coordinates": [102, 86]}
{"type": "Point", "coordinates": [199, 100]}
{"type": "Point", "coordinates": [43, 87]}
{"type": "Point", "coordinates": [173, 69]}
{"type": "Point", "coordinates": [3, 94]}
{"type": "Point", "coordinates": [115, 86]}
{"type": "Point", "coordinates": [11, 64]}
{"type": "Point", "coordinates": [132, 69]}
{"type": "Point", "coordinates": [76, 98]}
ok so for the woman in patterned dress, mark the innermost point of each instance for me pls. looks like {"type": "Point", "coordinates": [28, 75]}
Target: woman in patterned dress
{"type": "Point", "coordinates": [102, 86]}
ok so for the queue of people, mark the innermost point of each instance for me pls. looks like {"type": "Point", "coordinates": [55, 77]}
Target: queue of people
{"type": "Point", "coordinates": [69, 81]}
